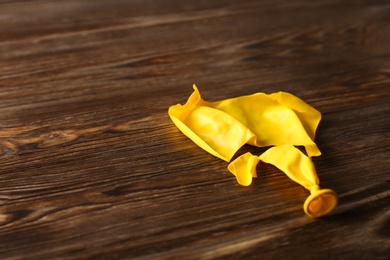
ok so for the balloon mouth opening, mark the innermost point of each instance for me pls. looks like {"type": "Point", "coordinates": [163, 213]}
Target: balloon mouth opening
{"type": "Point", "coordinates": [320, 203]}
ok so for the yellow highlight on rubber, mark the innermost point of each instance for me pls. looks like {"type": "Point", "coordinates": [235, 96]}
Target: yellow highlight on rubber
{"type": "Point", "coordinates": [279, 120]}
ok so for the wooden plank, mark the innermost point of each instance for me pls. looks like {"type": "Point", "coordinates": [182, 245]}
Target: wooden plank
{"type": "Point", "coordinates": [92, 166]}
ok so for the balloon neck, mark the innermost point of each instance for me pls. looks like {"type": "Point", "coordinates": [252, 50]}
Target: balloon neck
{"type": "Point", "coordinates": [314, 189]}
{"type": "Point", "coordinates": [320, 202]}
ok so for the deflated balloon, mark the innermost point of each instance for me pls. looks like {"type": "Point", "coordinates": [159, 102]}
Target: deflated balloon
{"type": "Point", "coordinates": [279, 120]}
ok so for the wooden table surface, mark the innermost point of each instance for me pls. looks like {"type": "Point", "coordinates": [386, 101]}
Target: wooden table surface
{"type": "Point", "coordinates": [92, 166]}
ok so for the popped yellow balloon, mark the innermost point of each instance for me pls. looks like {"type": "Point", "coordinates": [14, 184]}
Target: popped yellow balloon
{"type": "Point", "coordinates": [280, 120]}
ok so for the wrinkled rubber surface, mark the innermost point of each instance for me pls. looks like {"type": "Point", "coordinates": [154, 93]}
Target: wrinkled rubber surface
{"type": "Point", "coordinates": [279, 120]}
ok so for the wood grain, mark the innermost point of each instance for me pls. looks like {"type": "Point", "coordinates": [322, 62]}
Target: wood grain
{"type": "Point", "coordinates": [93, 168]}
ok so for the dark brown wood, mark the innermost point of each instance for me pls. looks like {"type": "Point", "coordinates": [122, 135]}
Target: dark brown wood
{"type": "Point", "coordinates": [92, 166]}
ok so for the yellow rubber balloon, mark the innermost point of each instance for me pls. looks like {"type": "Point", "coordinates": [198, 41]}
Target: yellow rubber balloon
{"type": "Point", "coordinates": [281, 120]}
